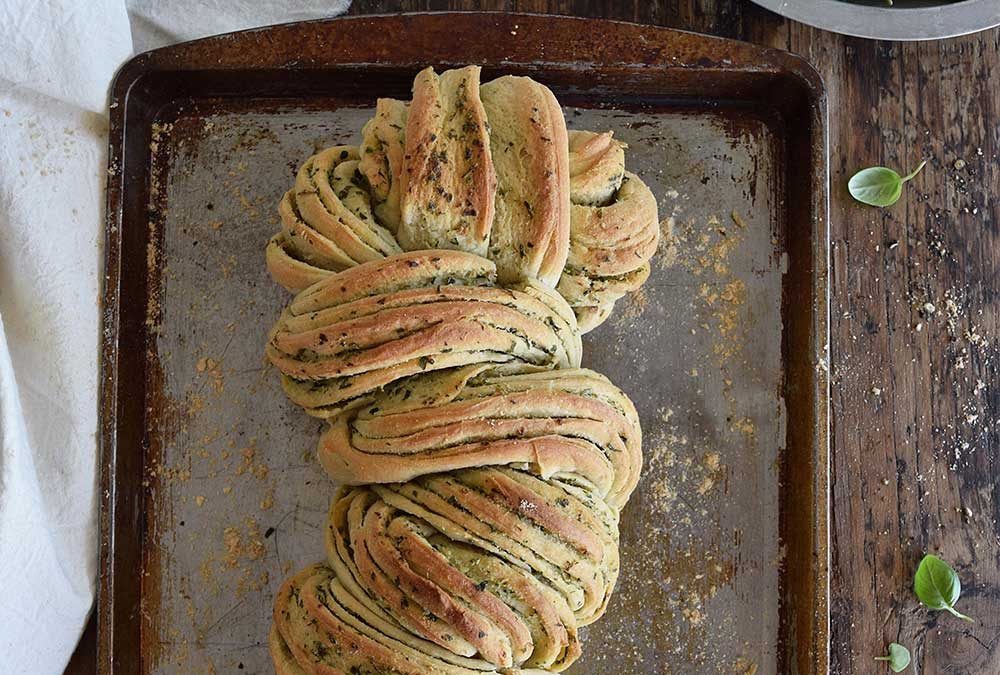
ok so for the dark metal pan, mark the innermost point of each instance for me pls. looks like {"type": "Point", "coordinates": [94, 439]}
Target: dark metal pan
{"type": "Point", "coordinates": [211, 494]}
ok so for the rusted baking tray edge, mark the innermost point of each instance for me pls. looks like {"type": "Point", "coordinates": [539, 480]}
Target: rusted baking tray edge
{"type": "Point", "coordinates": [291, 61]}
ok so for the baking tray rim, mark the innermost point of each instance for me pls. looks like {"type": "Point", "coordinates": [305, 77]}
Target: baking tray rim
{"type": "Point", "coordinates": [227, 53]}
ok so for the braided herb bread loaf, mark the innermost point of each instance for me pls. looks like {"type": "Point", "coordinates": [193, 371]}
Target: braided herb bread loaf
{"type": "Point", "coordinates": [445, 272]}
{"type": "Point", "coordinates": [489, 170]}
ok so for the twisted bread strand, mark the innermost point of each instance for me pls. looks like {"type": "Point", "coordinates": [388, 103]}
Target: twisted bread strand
{"type": "Point", "coordinates": [327, 222]}
{"type": "Point", "coordinates": [490, 532]}
{"type": "Point", "coordinates": [571, 421]}
{"type": "Point", "coordinates": [529, 148]}
{"type": "Point", "coordinates": [614, 229]}
{"type": "Point", "coordinates": [382, 149]}
{"type": "Point", "coordinates": [448, 178]}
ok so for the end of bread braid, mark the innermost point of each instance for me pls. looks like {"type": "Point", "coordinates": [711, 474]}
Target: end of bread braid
{"type": "Point", "coordinates": [327, 221]}
{"type": "Point", "coordinates": [489, 170]}
{"type": "Point", "coordinates": [383, 147]}
{"type": "Point", "coordinates": [448, 177]}
{"type": "Point", "coordinates": [614, 228]}
{"type": "Point", "coordinates": [530, 151]}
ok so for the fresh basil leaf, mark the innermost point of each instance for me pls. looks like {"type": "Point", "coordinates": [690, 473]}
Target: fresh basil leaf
{"type": "Point", "coordinates": [937, 585]}
{"type": "Point", "coordinates": [898, 658]}
{"type": "Point", "coordinates": [876, 186]}
{"type": "Point", "coordinates": [879, 185]}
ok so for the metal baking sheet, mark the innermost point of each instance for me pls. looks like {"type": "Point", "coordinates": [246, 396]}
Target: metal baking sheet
{"type": "Point", "coordinates": [213, 494]}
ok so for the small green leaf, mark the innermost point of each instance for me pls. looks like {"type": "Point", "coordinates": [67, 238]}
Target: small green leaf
{"type": "Point", "coordinates": [898, 658]}
{"type": "Point", "coordinates": [878, 185]}
{"type": "Point", "coordinates": [937, 585]}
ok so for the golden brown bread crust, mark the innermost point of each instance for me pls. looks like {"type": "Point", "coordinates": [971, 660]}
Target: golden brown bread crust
{"type": "Point", "coordinates": [448, 179]}
{"type": "Point", "coordinates": [281, 655]}
{"type": "Point", "coordinates": [530, 151]}
{"type": "Point", "coordinates": [320, 629]}
{"type": "Point", "coordinates": [613, 240]}
{"type": "Point", "coordinates": [590, 317]}
{"type": "Point", "coordinates": [287, 268]}
{"type": "Point", "coordinates": [482, 472]}
{"type": "Point", "coordinates": [391, 577]}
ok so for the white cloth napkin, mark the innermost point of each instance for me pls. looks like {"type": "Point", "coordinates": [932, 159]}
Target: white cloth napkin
{"type": "Point", "coordinates": [57, 60]}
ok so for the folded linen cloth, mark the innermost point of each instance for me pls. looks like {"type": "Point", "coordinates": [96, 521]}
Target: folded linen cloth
{"type": "Point", "coordinates": [58, 60]}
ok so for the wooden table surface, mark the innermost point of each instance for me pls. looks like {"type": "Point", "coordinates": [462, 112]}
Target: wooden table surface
{"type": "Point", "coordinates": [915, 393]}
